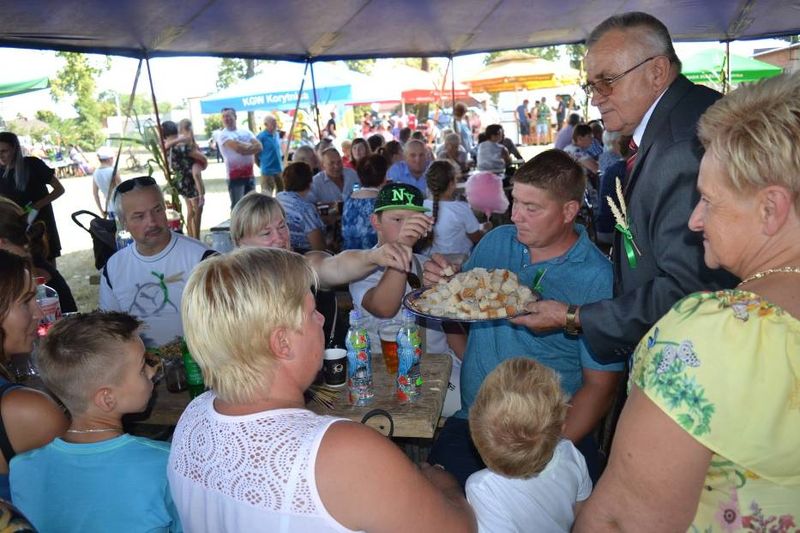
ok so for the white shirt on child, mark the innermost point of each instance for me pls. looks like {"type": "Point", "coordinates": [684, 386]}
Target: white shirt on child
{"type": "Point", "coordinates": [454, 221]}
{"type": "Point", "coordinates": [544, 503]}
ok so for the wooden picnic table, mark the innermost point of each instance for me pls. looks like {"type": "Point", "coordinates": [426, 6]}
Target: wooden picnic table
{"type": "Point", "coordinates": [418, 419]}
{"type": "Point", "coordinates": [63, 168]}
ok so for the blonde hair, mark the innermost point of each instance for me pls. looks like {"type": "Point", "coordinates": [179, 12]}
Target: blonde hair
{"type": "Point", "coordinates": [753, 133]}
{"type": "Point", "coordinates": [252, 213]}
{"type": "Point", "coordinates": [231, 306]}
{"type": "Point", "coordinates": [516, 419]}
{"type": "Point", "coordinates": [82, 352]}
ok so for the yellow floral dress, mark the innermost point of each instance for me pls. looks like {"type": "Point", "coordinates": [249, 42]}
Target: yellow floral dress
{"type": "Point", "coordinates": [725, 366]}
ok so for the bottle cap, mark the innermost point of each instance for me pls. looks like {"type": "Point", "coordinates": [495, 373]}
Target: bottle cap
{"type": "Point", "coordinates": [354, 315]}
{"type": "Point", "coordinates": [40, 280]}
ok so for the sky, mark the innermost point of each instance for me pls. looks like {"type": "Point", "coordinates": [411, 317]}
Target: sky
{"type": "Point", "coordinates": [179, 78]}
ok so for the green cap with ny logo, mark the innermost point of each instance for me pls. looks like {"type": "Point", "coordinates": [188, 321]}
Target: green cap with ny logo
{"type": "Point", "coordinates": [395, 195]}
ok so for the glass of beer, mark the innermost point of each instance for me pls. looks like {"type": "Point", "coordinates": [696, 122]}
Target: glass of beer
{"type": "Point", "coordinates": [388, 333]}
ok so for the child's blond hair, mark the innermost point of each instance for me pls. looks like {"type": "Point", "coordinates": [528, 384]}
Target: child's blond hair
{"type": "Point", "coordinates": [517, 417]}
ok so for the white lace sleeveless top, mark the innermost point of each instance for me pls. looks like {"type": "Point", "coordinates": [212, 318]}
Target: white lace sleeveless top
{"type": "Point", "coordinates": [248, 473]}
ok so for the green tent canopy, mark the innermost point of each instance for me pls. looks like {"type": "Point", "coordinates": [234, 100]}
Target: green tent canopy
{"type": "Point", "coordinates": [21, 87]}
{"type": "Point", "coordinates": [709, 67]}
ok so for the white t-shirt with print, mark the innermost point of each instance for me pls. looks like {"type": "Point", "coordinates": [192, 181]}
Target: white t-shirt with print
{"type": "Point", "coordinates": [151, 287]}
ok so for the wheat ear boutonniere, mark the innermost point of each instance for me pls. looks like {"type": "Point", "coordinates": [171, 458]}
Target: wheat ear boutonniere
{"type": "Point", "coordinates": [620, 212]}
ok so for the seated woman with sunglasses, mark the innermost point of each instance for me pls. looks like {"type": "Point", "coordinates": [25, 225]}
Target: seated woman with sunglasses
{"type": "Point", "coordinates": [248, 456]}
{"type": "Point", "coordinates": [30, 419]}
{"type": "Point", "coordinates": [146, 278]}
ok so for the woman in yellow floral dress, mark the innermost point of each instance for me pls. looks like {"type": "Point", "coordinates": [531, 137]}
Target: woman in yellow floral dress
{"type": "Point", "coordinates": [709, 439]}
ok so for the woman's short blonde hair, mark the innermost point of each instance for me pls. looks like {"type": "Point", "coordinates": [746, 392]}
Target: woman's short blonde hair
{"type": "Point", "coordinates": [231, 306]}
{"type": "Point", "coordinates": [252, 213]}
{"type": "Point", "coordinates": [753, 133]}
{"type": "Point", "coordinates": [516, 419]}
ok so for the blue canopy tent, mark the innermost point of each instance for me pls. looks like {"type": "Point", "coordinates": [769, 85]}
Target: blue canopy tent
{"type": "Point", "coordinates": [311, 30]}
{"type": "Point", "coordinates": [276, 88]}
{"type": "Point", "coordinates": [335, 29]}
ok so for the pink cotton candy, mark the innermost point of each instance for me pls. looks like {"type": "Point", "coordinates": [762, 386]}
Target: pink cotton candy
{"type": "Point", "coordinates": [485, 193]}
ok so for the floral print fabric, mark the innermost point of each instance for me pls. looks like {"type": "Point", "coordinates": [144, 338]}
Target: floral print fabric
{"type": "Point", "coordinates": [725, 366]}
{"type": "Point", "coordinates": [357, 230]}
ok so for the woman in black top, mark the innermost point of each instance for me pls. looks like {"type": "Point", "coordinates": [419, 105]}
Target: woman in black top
{"type": "Point", "coordinates": [24, 180]}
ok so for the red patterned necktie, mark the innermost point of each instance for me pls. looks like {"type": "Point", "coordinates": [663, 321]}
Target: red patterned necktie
{"type": "Point", "coordinates": [631, 162]}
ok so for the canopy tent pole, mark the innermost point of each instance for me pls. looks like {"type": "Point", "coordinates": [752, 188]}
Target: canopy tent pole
{"type": "Point", "coordinates": [158, 125]}
{"type": "Point", "coordinates": [294, 118]}
{"type": "Point", "coordinates": [444, 81]}
{"type": "Point", "coordinates": [128, 114]}
{"type": "Point", "coordinates": [453, 91]}
{"type": "Point", "coordinates": [316, 104]}
{"type": "Point", "coordinates": [727, 86]}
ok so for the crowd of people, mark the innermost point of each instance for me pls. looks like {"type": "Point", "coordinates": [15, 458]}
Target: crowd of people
{"type": "Point", "coordinates": [697, 310]}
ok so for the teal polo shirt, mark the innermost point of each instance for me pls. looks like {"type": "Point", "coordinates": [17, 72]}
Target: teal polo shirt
{"type": "Point", "coordinates": [582, 275]}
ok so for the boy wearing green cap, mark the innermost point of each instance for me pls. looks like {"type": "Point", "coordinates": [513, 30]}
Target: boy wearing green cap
{"type": "Point", "coordinates": [399, 217]}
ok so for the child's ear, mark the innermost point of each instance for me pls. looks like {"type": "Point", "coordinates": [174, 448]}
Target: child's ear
{"type": "Point", "coordinates": [375, 220]}
{"type": "Point", "coordinates": [104, 399]}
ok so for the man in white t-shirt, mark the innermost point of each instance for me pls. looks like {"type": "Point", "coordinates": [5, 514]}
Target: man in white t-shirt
{"type": "Point", "coordinates": [239, 147]}
{"type": "Point", "coordinates": [147, 277]}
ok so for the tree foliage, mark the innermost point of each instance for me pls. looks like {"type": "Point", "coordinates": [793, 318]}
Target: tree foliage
{"type": "Point", "coordinates": [142, 104]}
{"type": "Point", "coordinates": [77, 78]}
{"type": "Point", "coordinates": [230, 71]}
{"type": "Point", "coordinates": [364, 66]}
{"type": "Point", "coordinates": [213, 123]}
{"type": "Point", "coordinates": [233, 69]}
{"type": "Point", "coordinates": [545, 52]}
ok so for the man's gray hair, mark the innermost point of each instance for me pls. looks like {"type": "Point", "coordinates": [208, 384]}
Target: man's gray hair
{"type": "Point", "coordinates": [655, 38]}
{"type": "Point", "coordinates": [118, 211]}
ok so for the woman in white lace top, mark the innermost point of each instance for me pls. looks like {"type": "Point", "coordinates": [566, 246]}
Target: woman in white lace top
{"type": "Point", "coordinates": [247, 455]}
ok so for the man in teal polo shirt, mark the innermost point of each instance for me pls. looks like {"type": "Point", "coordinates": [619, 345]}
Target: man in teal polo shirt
{"type": "Point", "coordinates": [270, 157]}
{"type": "Point", "coordinates": [550, 253]}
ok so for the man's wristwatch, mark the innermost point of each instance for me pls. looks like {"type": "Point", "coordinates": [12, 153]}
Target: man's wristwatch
{"type": "Point", "coordinates": [571, 327]}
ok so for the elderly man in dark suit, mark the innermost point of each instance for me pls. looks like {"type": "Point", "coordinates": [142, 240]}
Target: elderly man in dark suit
{"type": "Point", "coordinates": [634, 79]}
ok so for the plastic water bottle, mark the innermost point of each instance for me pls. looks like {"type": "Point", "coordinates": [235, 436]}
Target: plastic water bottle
{"type": "Point", "coordinates": [48, 301]}
{"type": "Point", "coordinates": [409, 351]}
{"type": "Point", "coordinates": [359, 362]}
{"type": "Point", "coordinates": [194, 376]}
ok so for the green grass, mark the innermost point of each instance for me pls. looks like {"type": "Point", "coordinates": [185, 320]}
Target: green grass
{"type": "Point", "coordinates": [78, 269]}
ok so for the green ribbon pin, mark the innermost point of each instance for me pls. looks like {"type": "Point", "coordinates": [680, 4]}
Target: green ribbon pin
{"type": "Point", "coordinates": [537, 281]}
{"type": "Point", "coordinates": [627, 241]}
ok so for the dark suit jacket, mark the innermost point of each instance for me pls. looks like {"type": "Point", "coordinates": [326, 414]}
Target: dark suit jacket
{"type": "Point", "coordinates": [660, 194]}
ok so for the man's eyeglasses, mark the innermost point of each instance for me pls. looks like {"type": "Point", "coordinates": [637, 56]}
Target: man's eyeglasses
{"type": "Point", "coordinates": [603, 86]}
{"type": "Point", "coordinates": [134, 183]}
